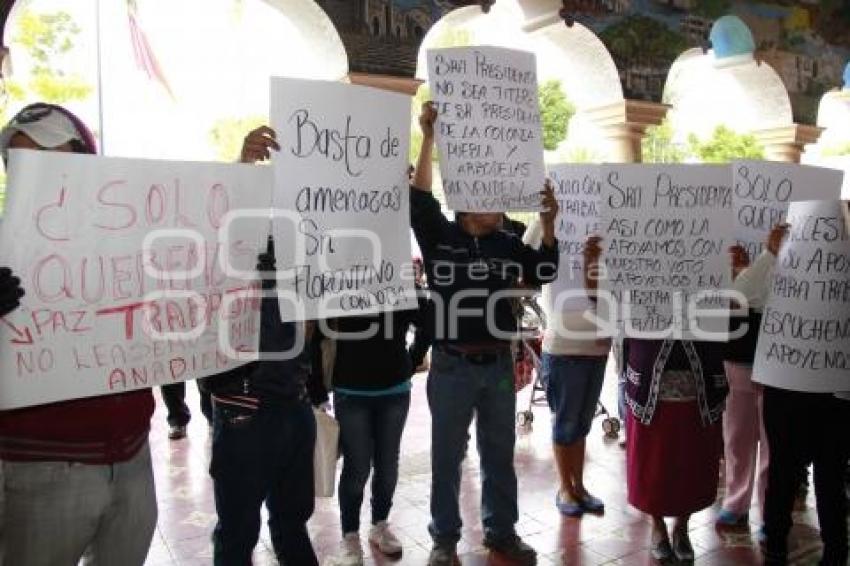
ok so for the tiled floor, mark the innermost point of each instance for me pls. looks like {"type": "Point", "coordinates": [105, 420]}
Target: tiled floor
{"type": "Point", "coordinates": [621, 536]}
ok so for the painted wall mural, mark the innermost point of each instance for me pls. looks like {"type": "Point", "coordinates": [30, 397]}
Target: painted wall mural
{"type": "Point", "coordinates": [807, 42]}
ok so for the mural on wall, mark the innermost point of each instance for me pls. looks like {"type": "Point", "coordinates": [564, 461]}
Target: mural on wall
{"type": "Point", "coordinates": [383, 36]}
{"type": "Point", "coordinates": [807, 42]}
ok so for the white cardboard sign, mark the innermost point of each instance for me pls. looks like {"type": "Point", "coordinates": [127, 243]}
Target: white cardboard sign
{"type": "Point", "coordinates": [123, 264]}
{"type": "Point", "coordinates": [578, 190]}
{"type": "Point", "coordinates": [763, 191]}
{"type": "Point", "coordinates": [488, 132]}
{"type": "Point", "coordinates": [666, 231]}
{"type": "Point", "coordinates": [804, 342]}
{"type": "Point", "coordinates": [342, 199]}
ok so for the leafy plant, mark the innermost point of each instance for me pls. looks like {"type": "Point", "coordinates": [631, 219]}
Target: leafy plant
{"type": "Point", "coordinates": [725, 145]}
{"type": "Point", "coordinates": [555, 113]}
{"type": "Point", "coordinates": [47, 38]}
{"type": "Point", "coordinates": [658, 146]}
{"type": "Point", "coordinates": [837, 150]}
{"type": "Point", "coordinates": [226, 135]}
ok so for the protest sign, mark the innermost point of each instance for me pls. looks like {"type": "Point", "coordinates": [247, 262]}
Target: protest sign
{"type": "Point", "coordinates": [342, 199]}
{"type": "Point", "coordinates": [123, 264]}
{"type": "Point", "coordinates": [578, 189]}
{"type": "Point", "coordinates": [763, 191]}
{"type": "Point", "coordinates": [488, 132]}
{"type": "Point", "coordinates": [804, 342]}
{"type": "Point", "coordinates": [666, 234]}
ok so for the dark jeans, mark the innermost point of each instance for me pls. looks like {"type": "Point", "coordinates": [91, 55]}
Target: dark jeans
{"type": "Point", "coordinates": [803, 429]}
{"type": "Point", "coordinates": [174, 397]}
{"type": "Point", "coordinates": [370, 437]}
{"type": "Point", "coordinates": [263, 455]}
{"type": "Point", "coordinates": [457, 391]}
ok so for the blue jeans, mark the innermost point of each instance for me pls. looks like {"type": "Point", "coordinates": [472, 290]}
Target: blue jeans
{"type": "Point", "coordinates": [457, 390]}
{"type": "Point", "coordinates": [263, 455]}
{"type": "Point", "coordinates": [370, 436]}
{"type": "Point", "coordinates": [573, 385]}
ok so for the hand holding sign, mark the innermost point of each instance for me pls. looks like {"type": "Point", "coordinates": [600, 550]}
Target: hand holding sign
{"type": "Point", "coordinates": [776, 237]}
{"type": "Point", "coordinates": [427, 118]}
{"type": "Point", "coordinates": [258, 145]}
{"type": "Point", "coordinates": [10, 291]}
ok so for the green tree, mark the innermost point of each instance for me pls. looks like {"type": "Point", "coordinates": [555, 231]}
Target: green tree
{"type": "Point", "coordinates": [837, 149]}
{"type": "Point", "coordinates": [725, 145]}
{"type": "Point", "coordinates": [555, 113]}
{"type": "Point", "coordinates": [227, 134]}
{"type": "Point", "coordinates": [658, 146]}
{"type": "Point", "coordinates": [48, 38]}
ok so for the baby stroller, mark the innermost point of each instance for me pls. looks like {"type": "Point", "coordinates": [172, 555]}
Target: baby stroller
{"type": "Point", "coordinates": [532, 323]}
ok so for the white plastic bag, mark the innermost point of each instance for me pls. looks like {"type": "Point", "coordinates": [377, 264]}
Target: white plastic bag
{"type": "Point", "coordinates": [325, 454]}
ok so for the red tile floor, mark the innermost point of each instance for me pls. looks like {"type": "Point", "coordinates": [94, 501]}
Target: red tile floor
{"type": "Point", "coordinates": [621, 536]}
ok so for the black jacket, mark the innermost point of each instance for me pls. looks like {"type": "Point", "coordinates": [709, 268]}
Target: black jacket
{"type": "Point", "coordinates": [456, 262]}
{"type": "Point", "coordinates": [269, 381]}
{"type": "Point", "coordinates": [382, 360]}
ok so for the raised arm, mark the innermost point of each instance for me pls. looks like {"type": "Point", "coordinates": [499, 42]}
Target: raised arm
{"type": "Point", "coordinates": [754, 281]}
{"type": "Point", "coordinates": [423, 177]}
{"type": "Point", "coordinates": [592, 252]}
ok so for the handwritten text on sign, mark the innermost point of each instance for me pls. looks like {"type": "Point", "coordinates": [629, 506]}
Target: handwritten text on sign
{"type": "Point", "coordinates": [342, 175]}
{"type": "Point", "coordinates": [763, 191]}
{"type": "Point", "coordinates": [666, 234]}
{"type": "Point", "coordinates": [488, 131]}
{"type": "Point", "coordinates": [578, 189]}
{"type": "Point", "coordinates": [804, 343]}
{"type": "Point", "coordinates": [122, 264]}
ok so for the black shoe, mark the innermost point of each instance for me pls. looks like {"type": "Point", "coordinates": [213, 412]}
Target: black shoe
{"type": "Point", "coordinates": [513, 549]}
{"type": "Point", "coordinates": [177, 432]}
{"type": "Point", "coordinates": [443, 554]}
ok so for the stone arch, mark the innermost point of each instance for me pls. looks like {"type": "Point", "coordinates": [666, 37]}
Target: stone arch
{"type": "Point", "coordinates": [318, 33]}
{"type": "Point", "coordinates": [725, 86]}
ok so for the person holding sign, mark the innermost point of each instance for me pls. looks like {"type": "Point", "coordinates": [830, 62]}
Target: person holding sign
{"type": "Point", "coordinates": [675, 390]}
{"type": "Point", "coordinates": [264, 431]}
{"type": "Point", "coordinates": [472, 265]}
{"type": "Point", "coordinates": [744, 438]}
{"type": "Point", "coordinates": [574, 358]}
{"type": "Point", "coordinates": [77, 474]}
{"type": "Point", "coordinates": [371, 384]}
{"type": "Point", "coordinates": [802, 361]}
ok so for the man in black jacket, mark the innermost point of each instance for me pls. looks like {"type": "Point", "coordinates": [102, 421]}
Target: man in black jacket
{"type": "Point", "coordinates": [264, 432]}
{"type": "Point", "coordinates": [471, 264]}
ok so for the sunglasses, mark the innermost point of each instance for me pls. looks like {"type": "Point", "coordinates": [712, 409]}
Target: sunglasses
{"type": "Point", "coordinates": [32, 114]}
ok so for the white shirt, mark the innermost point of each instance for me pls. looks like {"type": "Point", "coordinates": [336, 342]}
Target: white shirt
{"type": "Point", "coordinates": [558, 338]}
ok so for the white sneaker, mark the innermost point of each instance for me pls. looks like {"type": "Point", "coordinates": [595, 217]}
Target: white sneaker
{"type": "Point", "coordinates": [381, 536]}
{"type": "Point", "coordinates": [350, 552]}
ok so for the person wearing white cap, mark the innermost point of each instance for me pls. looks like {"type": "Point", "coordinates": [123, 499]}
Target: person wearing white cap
{"type": "Point", "coordinates": [77, 481]}
{"type": "Point", "coordinates": [46, 126]}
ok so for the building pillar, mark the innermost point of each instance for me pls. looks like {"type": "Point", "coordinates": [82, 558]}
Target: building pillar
{"type": "Point", "coordinates": [787, 143]}
{"type": "Point", "coordinates": [624, 124]}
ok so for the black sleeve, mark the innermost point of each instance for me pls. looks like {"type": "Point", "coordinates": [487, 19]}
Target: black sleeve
{"type": "Point", "coordinates": [539, 266]}
{"type": "Point", "coordinates": [427, 220]}
{"type": "Point", "coordinates": [423, 332]}
{"type": "Point", "coordinates": [315, 380]}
